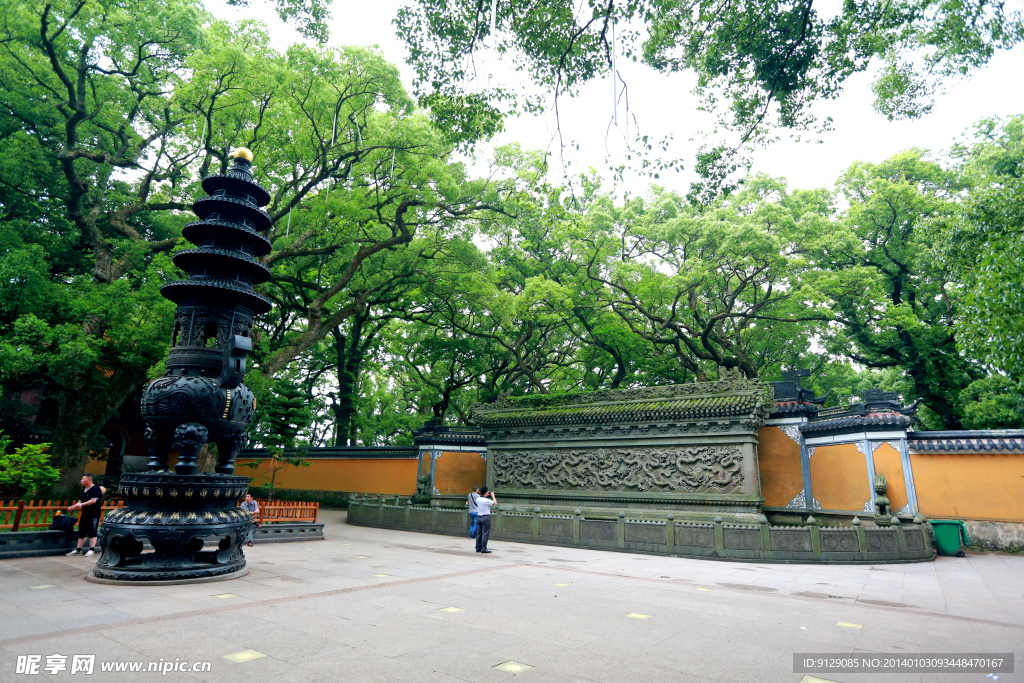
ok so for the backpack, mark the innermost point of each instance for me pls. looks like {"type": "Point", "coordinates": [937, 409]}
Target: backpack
{"type": "Point", "coordinates": [63, 523]}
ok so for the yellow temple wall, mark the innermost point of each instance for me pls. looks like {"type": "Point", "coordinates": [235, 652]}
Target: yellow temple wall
{"type": "Point", "coordinates": [457, 472]}
{"type": "Point", "coordinates": [350, 475]}
{"type": "Point", "coordinates": [779, 461]}
{"type": "Point", "coordinates": [971, 486]}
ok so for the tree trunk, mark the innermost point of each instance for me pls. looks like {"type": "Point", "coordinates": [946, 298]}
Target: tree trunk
{"type": "Point", "coordinates": [349, 358]}
{"type": "Point", "coordinates": [342, 408]}
{"type": "Point", "coordinates": [80, 416]}
{"type": "Point", "coordinates": [207, 460]}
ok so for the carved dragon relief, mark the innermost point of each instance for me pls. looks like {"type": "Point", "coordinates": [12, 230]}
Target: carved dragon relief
{"type": "Point", "coordinates": [696, 469]}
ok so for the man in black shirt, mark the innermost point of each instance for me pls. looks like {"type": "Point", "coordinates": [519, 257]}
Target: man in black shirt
{"type": "Point", "coordinates": [90, 503]}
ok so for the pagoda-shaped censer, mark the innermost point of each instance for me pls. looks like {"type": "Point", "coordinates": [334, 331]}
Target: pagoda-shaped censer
{"type": "Point", "coordinates": [191, 519]}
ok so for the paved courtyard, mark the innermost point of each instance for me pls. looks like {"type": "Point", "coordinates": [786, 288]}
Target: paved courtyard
{"type": "Point", "coordinates": [377, 605]}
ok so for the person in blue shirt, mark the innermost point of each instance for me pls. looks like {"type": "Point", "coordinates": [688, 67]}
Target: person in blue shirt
{"type": "Point", "coordinates": [471, 504]}
{"type": "Point", "coordinates": [250, 505]}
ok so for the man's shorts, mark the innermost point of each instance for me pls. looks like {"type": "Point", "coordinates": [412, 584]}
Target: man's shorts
{"type": "Point", "coordinates": [87, 527]}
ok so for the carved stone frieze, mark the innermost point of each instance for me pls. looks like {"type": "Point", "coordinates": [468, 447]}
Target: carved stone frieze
{"type": "Point", "coordinates": [560, 433]}
{"type": "Point", "coordinates": [875, 445]}
{"type": "Point", "coordinates": [799, 501]}
{"type": "Point", "coordinates": [695, 469]}
{"type": "Point", "coordinates": [792, 431]}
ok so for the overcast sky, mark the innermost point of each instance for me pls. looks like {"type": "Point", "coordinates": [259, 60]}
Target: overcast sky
{"type": "Point", "coordinates": [663, 105]}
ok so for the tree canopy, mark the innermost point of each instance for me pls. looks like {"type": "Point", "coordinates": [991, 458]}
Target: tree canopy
{"type": "Point", "coordinates": [759, 64]}
{"type": "Point", "coordinates": [406, 288]}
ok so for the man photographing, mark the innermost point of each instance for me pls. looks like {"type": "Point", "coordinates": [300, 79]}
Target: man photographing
{"type": "Point", "coordinates": [483, 519]}
{"type": "Point", "coordinates": [88, 522]}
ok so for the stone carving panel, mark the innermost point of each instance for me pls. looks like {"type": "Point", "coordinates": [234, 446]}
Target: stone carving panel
{"type": "Point", "coordinates": [696, 469]}
{"type": "Point", "coordinates": [793, 540]}
{"type": "Point", "coordinates": [449, 520]}
{"type": "Point", "coordinates": [742, 539]}
{"type": "Point", "coordinates": [516, 525]}
{"type": "Point", "coordinates": [419, 517]}
{"type": "Point", "coordinates": [839, 541]}
{"type": "Point", "coordinates": [598, 531]}
{"type": "Point", "coordinates": [555, 527]}
{"type": "Point", "coordinates": [645, 533]}
{"type": "Point", "coordinates": [695, 537]}
{"type": "Point", "coordinates": [882, 541]}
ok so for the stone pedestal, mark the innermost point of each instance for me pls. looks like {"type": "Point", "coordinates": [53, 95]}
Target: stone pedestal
{"type": "Point", "coordinates": [175, 528]}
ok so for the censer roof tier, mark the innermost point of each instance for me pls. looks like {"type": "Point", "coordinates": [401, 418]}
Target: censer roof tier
{"type": "Point", "coordinates": [238, 179]}
{"type": "Point", "coordinates": [216, 259]}
{"type": "Point", "coordinates": [204, 288]}
{"type": "Point", "coordinates": [227, 208]}
{"type": "Point", "coordinates": [227, 231]}
{"type": "Point", "coordinates": [235, 185]}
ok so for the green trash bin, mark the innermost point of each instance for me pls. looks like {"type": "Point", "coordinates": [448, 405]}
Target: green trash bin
{"type": "Point", "coordinates": [948, 536]}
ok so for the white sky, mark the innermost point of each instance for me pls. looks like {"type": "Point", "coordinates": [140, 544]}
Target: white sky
{"type": "Point", "coordinates": [663, 105]}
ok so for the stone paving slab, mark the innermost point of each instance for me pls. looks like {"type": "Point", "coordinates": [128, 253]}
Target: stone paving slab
{"type": "Point", "coordinates": [377, 605]}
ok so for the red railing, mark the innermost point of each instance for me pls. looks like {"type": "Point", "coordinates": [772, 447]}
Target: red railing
{"type": "Point", "coordinates": [285, 511]}
{"type": "Point", "coordinates": [35, 514]}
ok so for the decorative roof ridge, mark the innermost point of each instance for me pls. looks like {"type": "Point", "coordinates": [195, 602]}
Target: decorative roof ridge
{"type": "Point", "coordinates": [596, 404]}
{"type": "Point", "coordinates": [846, 421]}
{"type": "Point", "coordinates": [733, 385]}
{"type": "Point", "coordinates": [1013, 441]}
{"type": "Point", "coordinates": [967, 434]}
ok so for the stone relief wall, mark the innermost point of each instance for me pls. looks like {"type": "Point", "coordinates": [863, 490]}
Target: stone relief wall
{"type": "Point", "coordinates": [694, 469]}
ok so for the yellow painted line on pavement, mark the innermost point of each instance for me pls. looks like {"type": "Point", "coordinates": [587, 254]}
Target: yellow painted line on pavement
{"type": "Point", "coordinates": [846, 624]}
{"type": "Point", "coordinates": [451, 609]}
{"type": "Point", "coordinates": [244, 656]}
{"type": "Point", "coordinates": [224, 596]}
{"type": "Point", "coordinates": [637, 615]}
{"type": "Point", "coordinates": [513, 667]}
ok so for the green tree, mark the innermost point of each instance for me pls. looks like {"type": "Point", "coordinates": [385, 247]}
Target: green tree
{"type": "Point", "coordinates": [893, 299]}
{"type": "Point", "coordinates": [726, 286]}
{"type": "Point", "coordinates": [992, 402]}
{"type": "Point", "coordinates": [112, 113]}
{"type": "Point", "coordinates": [25, 469]}
{"type": "Point", "coordinates": [760, 64]}
{"type": "Point", "coordinates": [285, 413]}
{"type": "Point", "coordinates": [982, 245]}
{"type": "Point", "coordinates": [87, 128]}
